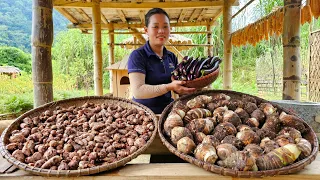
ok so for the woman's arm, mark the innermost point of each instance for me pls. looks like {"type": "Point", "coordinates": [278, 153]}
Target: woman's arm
{"type": "Point", "coordinates": [141, 90]}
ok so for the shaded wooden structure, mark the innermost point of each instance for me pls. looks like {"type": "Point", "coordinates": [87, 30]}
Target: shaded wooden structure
{"type": "Point", "coordinates": [113, 15]}
{"type": "Point", "coordinates": [180, 43]}
{"type": "Point", "coordinates": [94, 16]}
{"type": "Point", "coordinates": [10, 71]}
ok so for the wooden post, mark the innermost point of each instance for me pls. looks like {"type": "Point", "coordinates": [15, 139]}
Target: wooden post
{"type": "Point", "coordinates": [209, 39]}
{"type": "Point", "coordinates": [96, 28]}
{"type": "Point", "coordinates": [111, 55]}
{"type": "Point", "coordinates": [42, 37]}
{"type": "Point", "coordinates": [227, 48]}
{"type": "Point", "coordinates": [291, 50]}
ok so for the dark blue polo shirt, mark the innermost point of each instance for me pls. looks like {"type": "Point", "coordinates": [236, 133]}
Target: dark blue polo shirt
{"type": "Point", "coordinates": [157, 71]}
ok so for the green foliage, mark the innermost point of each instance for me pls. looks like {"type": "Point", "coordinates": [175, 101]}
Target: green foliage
{"type": "Point", "coordinates": [16, 22]}
{"type": "Point", "coordinates": [11, 56]}
{"type": "Point", "coordinates": [73, 56]}
{"type": "Point", "coordinates": [16, 94]}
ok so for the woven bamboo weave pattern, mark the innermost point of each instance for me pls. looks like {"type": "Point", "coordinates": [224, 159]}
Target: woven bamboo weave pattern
{"type": "Point", "coordinates": [314, 67]}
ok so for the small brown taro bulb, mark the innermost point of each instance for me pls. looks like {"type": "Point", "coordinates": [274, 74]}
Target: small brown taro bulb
{"type": "Point", "coordinates": [263, 133]}
{"type": "Point", "coordinates": [243, 127]}
{"type": "Point", "coordinates": [179, 132]}
{"type": "Point", "coordinates": [246, 98]}
{"type": "Point", "coordinates": [304, 146]}
{"type": "Point", "coordinates": [283, 140]}
{"type": "Point", "coordinates": [243, 115]}
{"type": "Point", "coordinates": [196, 125]}
{"type": "Point", "coordinates": [268, 145]}
{"type": "Point", "coordinates": [292, 132]}
{"type": "Point", "coordinates": [225, 150]}
{"type": "Point", "coordinates": [252, 122]}
{"type": "Point", "coordinates": [198, 137]}
{"type": "Point", "coordinates": [199, 101]}
{"type": "Point", "coordinates": [211, 139]}
{"type": "Point", "coordinates": [259, 115]}
{"type": "Point", "coordinates": [292, 121]}
{"type": "Point", "coordinates": [250, 107]}
{"type": "Point", "coordinates": [18, 154]}
{"type": "Point", "coordinates": [231, 139]}
{"type": "Point", "coordinates": [267, 108]}
{"type": "Point", "coordinates": [240, 160]}
{"type": "Point", "coordinates": [204, 125]}
{"type": "Point", "coordinates": [218, 113]}
{"type": "Point", "coordinates": [246, 136]}
{"type": "Point", "coordinates": [172, 121]}
{"type": "Point", "coordinates": [186, 145]}
{"type": "Point", "coordinates": [206, 152]}
{"type": "Point", "coordinates": [254, 150]}
{"type": "Point", "coordinates": [231, 117]}
{"type": "Point", "coordinates": [229, 128]}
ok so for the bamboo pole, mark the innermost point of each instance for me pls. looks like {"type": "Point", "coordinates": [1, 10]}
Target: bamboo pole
{"type": "Point", "coordinates": [227, 49]}
{"type": "Point", "coordinates": [209, 40]}
{"type": "Point", "coordinates": [291, 50]}
{"type": "Point", "coordinates": [42, 37]}
{"type": "Point", "coordinates": [96, 25]}
{"type": "Point", "coordinates": [111, 56]}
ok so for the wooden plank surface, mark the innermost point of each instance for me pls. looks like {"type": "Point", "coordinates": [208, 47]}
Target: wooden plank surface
{"type": "Point", "coordinates": [167, 171]}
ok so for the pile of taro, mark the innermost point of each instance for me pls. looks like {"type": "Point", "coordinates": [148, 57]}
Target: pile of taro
{"type": "Point", "coordinates": [80, 137]}
{"type": "Point", "coordinates": [236, 133]}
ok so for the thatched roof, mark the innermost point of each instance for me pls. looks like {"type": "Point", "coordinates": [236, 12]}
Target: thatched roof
{"type": "Point", "coordinates": [129, 14]}
{"type": "Point", "coordinates": [173, 39]}
{"type": "Point", "coordinates": [9, 70]}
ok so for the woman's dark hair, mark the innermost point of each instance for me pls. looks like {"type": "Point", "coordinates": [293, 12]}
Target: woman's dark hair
{"type": "Point", "coordinates": [154, 11]}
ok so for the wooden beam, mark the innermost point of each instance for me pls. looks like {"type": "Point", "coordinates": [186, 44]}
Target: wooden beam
{"type": "Point", "coordinates": [97, 51]}
{"type": "Point", "coordinates": [217, 15]}
{"type": "Point", "coordinates": [175, 50]}
{"type": "Point", "coordinates": [142, 16]}
{"type": "Point", "coordinates": [240, 10]}
{"type": "Point", "coordinates": [122, 16]}
{"type": "Point", "coordinates": [131, 26]}
{"type": "Point", "coordinates": [291, 50]}
{"type": "Point", "coordinates": [104, 19]}
{"type": "Point", "coordinates": [141, 5]}
{"type": "Point", "coordinates": [66, 14]}
{"type": "Point", "coordinates": [138, 36]}
{"type": "Point", "coordinates": [83, 14]}
{"type": "Point", "coordinates": [227, 48]}
{"type": "Point", "coordinates": [41, 43]}
{"type": "Point", "coordinates": [209, 41]}
{"type": "Point", "coordinates": [113, 89]}
{"type": "Point", "coordinates": [204, 10]}
{"type": "Point", "coordinates": [193, 15]}
{"type": "Point", "coordinates": [182, 15]}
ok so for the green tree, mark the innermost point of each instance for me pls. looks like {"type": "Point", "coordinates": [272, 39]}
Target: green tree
{"type": "Point", "coordinates": [11, 56]}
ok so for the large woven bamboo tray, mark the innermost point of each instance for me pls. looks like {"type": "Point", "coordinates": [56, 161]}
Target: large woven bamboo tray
{"type": "Point", "coordinates": [67, 103]}
{"type": "Point", "coordinates": [293, 168]}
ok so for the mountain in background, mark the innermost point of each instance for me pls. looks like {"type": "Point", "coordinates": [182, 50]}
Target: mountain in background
{"type": "Point", "coordinates": [16, 23]}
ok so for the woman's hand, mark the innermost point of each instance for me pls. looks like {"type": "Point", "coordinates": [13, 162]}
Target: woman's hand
{"type": "Point", "coordinates": [177, 87]}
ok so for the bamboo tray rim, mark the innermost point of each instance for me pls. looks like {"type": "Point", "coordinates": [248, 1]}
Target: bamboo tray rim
{"type": "Point", "coordinates": [293, 168]}
{"type": "Point", "coordinates": [79, 172]}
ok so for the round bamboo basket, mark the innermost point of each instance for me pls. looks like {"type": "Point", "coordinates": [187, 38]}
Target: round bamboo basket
{"type": "Point", "coordinates": [293, 168]}
{"type": "Point", "coordinates": [67, 103]}
{"type": "Point", "coordinates": [204, 81]}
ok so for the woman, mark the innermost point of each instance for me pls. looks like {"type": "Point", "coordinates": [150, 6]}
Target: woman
{"type": "Point", "coordinates": [150, 66]}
